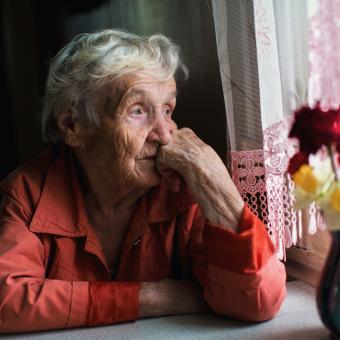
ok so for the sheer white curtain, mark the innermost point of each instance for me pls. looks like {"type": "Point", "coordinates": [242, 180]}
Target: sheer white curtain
{"type": "Point", "coordinates": [263, 52]}
{"type": "Point", "coordinates": [274, 34]}
{"type": "Point", "coordinates": [234, 26]}
{"type": "Point", "coordinates": [324, 53]}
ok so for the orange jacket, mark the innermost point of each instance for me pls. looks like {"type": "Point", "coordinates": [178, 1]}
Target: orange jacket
{"type": "Point", "coordinates": [53, 273]}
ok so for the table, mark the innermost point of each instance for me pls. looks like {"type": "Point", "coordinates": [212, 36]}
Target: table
{"type": "Point", "coordinates": [297, 319]}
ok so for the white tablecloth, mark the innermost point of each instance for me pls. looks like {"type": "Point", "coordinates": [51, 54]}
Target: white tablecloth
{"type": "Point", "coordinates": [297, 320]}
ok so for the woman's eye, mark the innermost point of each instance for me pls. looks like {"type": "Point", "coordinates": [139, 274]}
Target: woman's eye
{"type": "Point", "coordinates": [137, 112]}
{"type": "Point", "coordinates": [168, 111]}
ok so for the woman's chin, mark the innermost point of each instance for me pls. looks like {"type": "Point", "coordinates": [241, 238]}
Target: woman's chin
{"type": "Point", "coordinates": [148, 178]}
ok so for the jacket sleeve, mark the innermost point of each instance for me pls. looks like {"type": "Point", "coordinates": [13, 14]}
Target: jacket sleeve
{"type": "Point", "coordinates": [30, 302]}
{"type": "Point", "coordinates": [240, 272]}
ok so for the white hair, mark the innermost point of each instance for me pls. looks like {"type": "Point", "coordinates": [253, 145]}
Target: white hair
{"type": "Point", "coordinates": [90, 61]}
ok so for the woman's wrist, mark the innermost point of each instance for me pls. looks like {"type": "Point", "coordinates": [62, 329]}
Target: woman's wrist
{"type": "Point", "coordinates": [147, 300]}
{"type": "Point", "coordinates": [228, 216]}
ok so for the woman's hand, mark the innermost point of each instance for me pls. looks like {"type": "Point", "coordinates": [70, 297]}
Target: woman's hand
{"type": "Point", "coordinates": [170, 297]}
{"type": "Point", "coordinates": [205, 175]}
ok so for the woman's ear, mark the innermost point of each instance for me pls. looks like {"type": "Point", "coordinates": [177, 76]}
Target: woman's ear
{"type": "Point", "coordinates": [70, 129]}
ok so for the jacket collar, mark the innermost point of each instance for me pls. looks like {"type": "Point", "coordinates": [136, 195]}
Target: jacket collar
{"type": "Point", "coordinates": [61, 209]}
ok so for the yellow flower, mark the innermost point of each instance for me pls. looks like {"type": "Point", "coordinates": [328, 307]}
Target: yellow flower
{"type": "Point", "coordinates": [305, 179]}
{"type": "Point", "coordinates": [335, 200]}
{"type": "Point", "coordinates": [313, 182]}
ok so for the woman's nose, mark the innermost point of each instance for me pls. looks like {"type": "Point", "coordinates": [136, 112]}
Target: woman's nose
{"type": "Point", "coordinates": [161, 130]}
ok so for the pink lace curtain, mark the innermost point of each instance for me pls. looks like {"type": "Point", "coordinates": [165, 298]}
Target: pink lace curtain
{"type": "Point", "coordinates": [262, 180]}
{"type": "Point", "coordinates": [260, 150]}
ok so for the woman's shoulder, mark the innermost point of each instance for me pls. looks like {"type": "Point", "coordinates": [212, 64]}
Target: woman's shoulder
{"type": "Point", "coordinates": [26, 182]}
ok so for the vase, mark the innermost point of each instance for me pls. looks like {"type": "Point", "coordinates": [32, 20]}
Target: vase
{"type": "Point", "coordinates": [328, 292]}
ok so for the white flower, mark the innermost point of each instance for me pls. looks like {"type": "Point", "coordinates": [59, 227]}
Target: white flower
{"type": "Point", "coordinates": [330, 206]}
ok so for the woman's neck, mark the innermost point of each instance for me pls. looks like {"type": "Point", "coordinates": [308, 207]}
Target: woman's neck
{"type": "Point", "coordinates": [105, 194]}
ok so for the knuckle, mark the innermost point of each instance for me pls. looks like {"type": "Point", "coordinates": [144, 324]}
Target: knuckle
{"type": "Point", "coordinates": [187, 130]}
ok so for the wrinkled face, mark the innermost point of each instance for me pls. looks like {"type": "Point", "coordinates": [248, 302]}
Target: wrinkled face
{"type": "Point", "coordinates": [126, 143]}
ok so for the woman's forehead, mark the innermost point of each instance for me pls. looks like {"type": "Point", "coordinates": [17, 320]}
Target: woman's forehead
{"type": "Point", "coordinates": [146, 90]}
{"type": "Point", "coordinates": [144, 84]}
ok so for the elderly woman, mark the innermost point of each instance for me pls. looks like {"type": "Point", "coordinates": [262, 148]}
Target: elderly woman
{"type": "Point", "coordinates": [125, 216]}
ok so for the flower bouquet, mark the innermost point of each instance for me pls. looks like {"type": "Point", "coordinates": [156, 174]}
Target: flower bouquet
{"type": "Point", "coordinates": [315, 168]}
{"type": "Point", "coordinates": [315, 173]}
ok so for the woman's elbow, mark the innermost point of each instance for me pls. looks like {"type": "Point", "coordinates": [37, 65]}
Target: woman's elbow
{"type": "Point", "coordinates": [268, 304]}
{"type": "Point", "coordinates": [250, 305]}
{"type": "Point", "coordinates": [270, 294]}
{"type": "Point", "coordinates": [252, 298]}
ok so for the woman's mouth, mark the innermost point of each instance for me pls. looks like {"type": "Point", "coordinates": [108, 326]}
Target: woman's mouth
{"type": "Point", "coordinates": [147, 158]}
{"type": "Point", "coordinates": [147, 163]}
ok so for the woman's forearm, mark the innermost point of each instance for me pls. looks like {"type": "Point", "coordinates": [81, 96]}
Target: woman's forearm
{"type": "Point", "coordinates": [170, 297]}
{"type": "Point", "coordinates": [205, 175]}
{"type": "Point", "coordinates": [214, 191]}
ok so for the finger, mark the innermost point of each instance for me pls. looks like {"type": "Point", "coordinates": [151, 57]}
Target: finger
{"type": "Point", "coordinates": [173, 127]}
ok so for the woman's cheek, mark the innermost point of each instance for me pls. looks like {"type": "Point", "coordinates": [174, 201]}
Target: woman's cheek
{"type": "Point", "coordinates": [130, 136]}
{"type": "Point", "coordinates": [134, 141]}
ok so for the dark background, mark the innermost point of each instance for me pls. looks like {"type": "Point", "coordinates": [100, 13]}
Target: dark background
{"type": "Point", "coordinates": [32, 31]}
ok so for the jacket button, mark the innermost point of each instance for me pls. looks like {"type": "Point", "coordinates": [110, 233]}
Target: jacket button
{"type": "Point", "coordinates": [137, 241]}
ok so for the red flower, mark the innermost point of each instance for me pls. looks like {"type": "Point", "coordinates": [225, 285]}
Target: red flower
{"type": "Point", "coordinates": [296, 161]}
{"type": "Point", "coordinates": [315, 127]}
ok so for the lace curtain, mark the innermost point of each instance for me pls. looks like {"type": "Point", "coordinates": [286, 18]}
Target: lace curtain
{"type": "Point", "coordinates": [324, 56]}
{"type": "Point", "coordinates": [263, 52]}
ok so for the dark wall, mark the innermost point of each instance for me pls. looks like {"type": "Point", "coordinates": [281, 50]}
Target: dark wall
{"type": "Point", "coordinates": [7, 140]}
{"type": "Point", "coordinates": [34, 30]}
